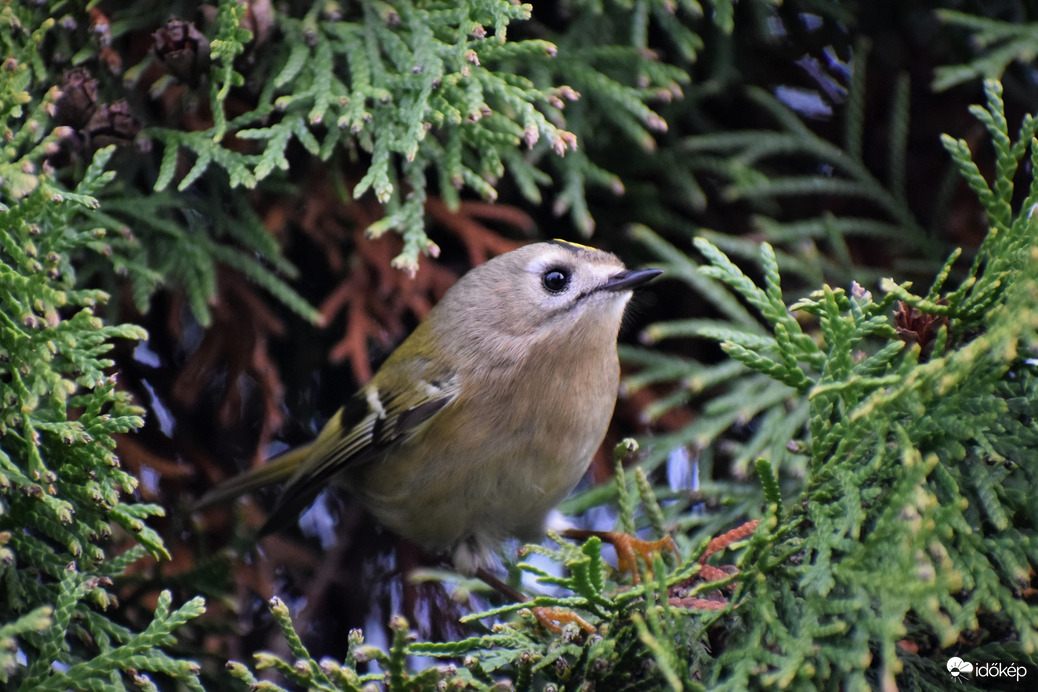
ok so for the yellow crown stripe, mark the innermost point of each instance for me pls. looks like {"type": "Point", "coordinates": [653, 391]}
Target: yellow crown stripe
{"type": "Point", "coordinates": [576, 246]}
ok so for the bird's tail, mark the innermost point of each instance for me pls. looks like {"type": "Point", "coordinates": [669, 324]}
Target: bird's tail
{"type": "Point", "coordinates": [278, 469]}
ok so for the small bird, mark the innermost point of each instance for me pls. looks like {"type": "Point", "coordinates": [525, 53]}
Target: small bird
{"type": "Point", "coordinates": [485, 417]}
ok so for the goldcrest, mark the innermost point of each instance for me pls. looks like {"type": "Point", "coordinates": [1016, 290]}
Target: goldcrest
{"type": "Point", "coordinates": [485, 417]}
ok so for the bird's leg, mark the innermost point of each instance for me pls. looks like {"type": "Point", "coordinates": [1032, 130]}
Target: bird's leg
{"type": "Point", "coordinates": [502, 588]}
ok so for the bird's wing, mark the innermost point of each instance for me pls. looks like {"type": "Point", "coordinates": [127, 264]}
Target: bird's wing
{"type": "Point", "coordinates": [360, 432]}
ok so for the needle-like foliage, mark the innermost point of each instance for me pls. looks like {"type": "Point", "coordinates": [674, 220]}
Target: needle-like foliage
{"type": "Point", "coordinates": [428, 91]}
{"type": "Point", "coordinates": [61, 486]}
{"type": "Point", "coordinates": [911, 531]}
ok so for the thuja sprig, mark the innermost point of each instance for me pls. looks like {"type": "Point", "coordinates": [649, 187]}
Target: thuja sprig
{"type": "Point", "coordinates": [917, 410]}
{"type": "Point", "coordinates": [393, 81]}
{"type": "Point", "coordinates": [61, 486]}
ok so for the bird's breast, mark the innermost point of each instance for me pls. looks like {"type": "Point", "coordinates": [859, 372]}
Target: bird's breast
{"type": "Point", "coordinates": [495, 464]}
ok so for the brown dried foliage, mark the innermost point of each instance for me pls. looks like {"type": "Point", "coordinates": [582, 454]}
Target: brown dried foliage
{"type": "Point", "coordinates": [687, 593]}
{"type": "Point", "coordinates": [235, 344]}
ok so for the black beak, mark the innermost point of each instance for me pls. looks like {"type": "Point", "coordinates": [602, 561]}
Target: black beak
{"type": "Point", "coordinates": [626, 280]}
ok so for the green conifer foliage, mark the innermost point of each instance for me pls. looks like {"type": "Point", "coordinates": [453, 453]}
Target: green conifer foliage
{"type": "Point", "coordinates": [911, 531]}
{"type": "Point", "coordinates": [429, 92]}
{"type": "Point", "coordinates": [61, 487]}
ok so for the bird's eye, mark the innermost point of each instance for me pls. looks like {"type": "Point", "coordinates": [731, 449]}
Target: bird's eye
{"type": "Point", "coordinates": [555, 280]}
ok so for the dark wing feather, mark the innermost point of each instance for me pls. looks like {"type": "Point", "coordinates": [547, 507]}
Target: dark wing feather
{"type": "Point", "coordinates": [367, 427]}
